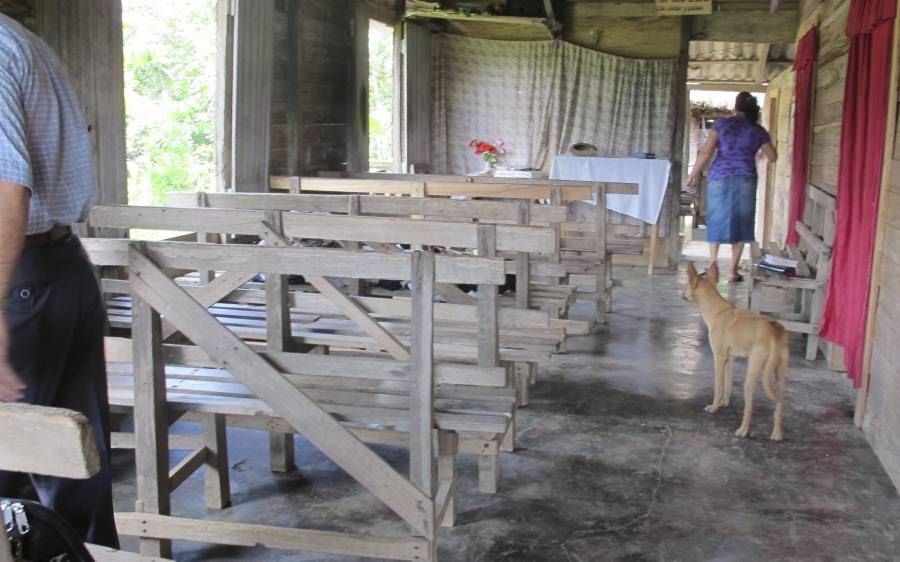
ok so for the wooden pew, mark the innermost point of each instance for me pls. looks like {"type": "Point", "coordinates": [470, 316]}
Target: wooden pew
{"type": "Point", "coordinates": [798, 302]}
{"type": "Point", "coordinates": [549, 296]}
{"type": "Point", "coordinates": [52, 442]}
{"type": "Point", "coordinates": [487, 336]}
{"type": "Point", "coordinates": [220, 375]}
{"type": "Point", "coordinates": [590, 260]}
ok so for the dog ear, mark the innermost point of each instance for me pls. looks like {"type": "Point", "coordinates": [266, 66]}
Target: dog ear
{"type": "Point", "coordinates": [693, 276]}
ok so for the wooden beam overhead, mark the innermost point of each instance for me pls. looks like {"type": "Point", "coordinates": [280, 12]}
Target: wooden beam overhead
{"type": "Point", "coordinates": [746, 26]}
{"type": "Point", "coordinates": [762, 59]}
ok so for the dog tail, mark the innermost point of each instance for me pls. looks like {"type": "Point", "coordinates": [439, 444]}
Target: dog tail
{"type": "Point", "coordinates": [775, 369]}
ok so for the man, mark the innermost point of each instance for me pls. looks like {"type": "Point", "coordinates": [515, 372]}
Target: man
{"type": "Point", "coordinates": [51, 319]}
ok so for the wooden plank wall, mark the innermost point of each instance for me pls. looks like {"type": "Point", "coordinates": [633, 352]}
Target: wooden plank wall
{"type": "Point", "coordinates": [629, 29]}
{"type": "Point", "coordinates": [418, 100]}
{"type": "Point", "coordinates": [252, 90]}
{"type": "Point", "coordinates": [311, 97]}
{"type": "Point", "coordinates": [782, 88]}
{"type": "Point", "coordinates": [831, 71]}
{"type": "Point", "coordinates": [882, 422]}
{"type": "Point", "coordinates": [88, 38]}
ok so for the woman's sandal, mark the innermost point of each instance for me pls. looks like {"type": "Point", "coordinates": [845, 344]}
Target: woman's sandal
{"type": "Point", "coordinates": [737, 278]}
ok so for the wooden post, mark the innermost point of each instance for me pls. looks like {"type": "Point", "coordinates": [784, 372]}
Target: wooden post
{"type": "Point", "coordinates": [556, 200]}
{"type": "Point", "coordinates": [204, 275]}
{"type": "Point", "coordinates": [216, 478]}
{"type": "Point", "coordinates": [875, 286]}
{"type": "Point", "coordinates": [422, 466]}
{"type": "Point", "coordinates": [523, 279]}
{"type": "Point", "coordinates": [224, 93]}
{"type": "Point", "coordinates": [278, 338]}
{"type": "Point", "coordinates": [355, 287]}
{"type": "Point", "coordinates": [654, 241]}
{"type": "Point", "coordinates": [252, 102]}
{"type": "Point", "coordinates": [488, 305]}
{"type": "Point", "coordinates": [358, 118]}
{"type": "Point", "coordinates": [600, 248]}
{"type": "Point", "coordinates": [151, 428]}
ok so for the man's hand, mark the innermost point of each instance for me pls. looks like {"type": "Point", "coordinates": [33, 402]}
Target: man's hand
{"type": "Point", "coordinates": [11, 386]}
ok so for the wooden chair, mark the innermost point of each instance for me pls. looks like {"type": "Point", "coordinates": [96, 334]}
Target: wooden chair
{"type": "Point", "coordinates": [797, 302]}
{"type": "Point", "coordinates": [52, 442]}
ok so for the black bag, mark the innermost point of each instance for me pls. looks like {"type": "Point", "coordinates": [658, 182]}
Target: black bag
{"type": "Point", "coordinates": [38, 534]}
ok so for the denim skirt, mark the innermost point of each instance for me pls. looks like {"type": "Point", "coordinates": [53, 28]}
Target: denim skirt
{"type": "Point", "coordinates": [731, 209]}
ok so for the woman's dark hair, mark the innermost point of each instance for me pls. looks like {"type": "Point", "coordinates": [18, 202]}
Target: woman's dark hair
{"type": "Point", "coordinates": [746, 103]}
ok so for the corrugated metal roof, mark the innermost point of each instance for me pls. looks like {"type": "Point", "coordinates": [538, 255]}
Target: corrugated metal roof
{"type": "Point", "coordinates": [723, 62]}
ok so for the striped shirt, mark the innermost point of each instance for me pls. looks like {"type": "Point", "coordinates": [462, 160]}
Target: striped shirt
{"type": "Point", "coordinates": [44, 141]}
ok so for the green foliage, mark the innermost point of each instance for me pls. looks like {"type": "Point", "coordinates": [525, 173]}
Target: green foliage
{"type": "Point", "coordinates": [169, 97]}
{"type": "Point", "coordinates": [381, 93]}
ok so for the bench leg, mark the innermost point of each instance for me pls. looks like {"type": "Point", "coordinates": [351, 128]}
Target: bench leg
{"type": "Point", "coordinates": [812, 347]}
{"type": "Point", "coordinates": [508, 445]}
{"type": "Point", "coordinates": [609, 284]}
{"type": "Point", "coordinates": [281, 452]}
{"type": "Point", "coordinates": [489, 473]}
{"type": "Point", "coordinates": [448, 448]}
{"type": "Point", "coordinates": [523, 383]}
{"type": "Point", "coordinates": [216, 477]}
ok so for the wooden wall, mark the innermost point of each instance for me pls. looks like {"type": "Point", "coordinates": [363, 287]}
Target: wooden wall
{"type": "Point", "coordinates": [882, 422]}
{"type": "Point", "coordinates": [629, 29]}
{"type": "Point", "coordinates": [780, 101]}
{"type": "Point", "coordinates": [88, 39]}
{"type": "Point", "coordinates": [831, 71]}
{"type": "Point", "coordinates": [313, 76]}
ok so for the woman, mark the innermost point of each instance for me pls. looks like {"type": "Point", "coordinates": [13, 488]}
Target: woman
{"type": "Point", "coordinates": [731, 192]}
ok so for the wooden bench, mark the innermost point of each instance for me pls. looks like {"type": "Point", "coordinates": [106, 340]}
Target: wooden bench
{"type": "Point", "coordinates": [551, 296]}
{"type": "Point", "coordinates": [488, 239]}
{"type": "Point", "coordinates": [798, 302]}
{"type": "Point", "coordinates": [595, 259]}
{"type": "Point", "coordinates": [220, 375]}
{"type": "Point", "coordinates": [52, 442]}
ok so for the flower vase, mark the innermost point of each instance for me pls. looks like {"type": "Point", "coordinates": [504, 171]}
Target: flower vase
{"type": "Point", "coordinates": [488, 169]}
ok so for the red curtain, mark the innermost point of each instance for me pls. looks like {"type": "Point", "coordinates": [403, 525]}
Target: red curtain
{"type": "Point", "coordinates": [804, 67]}
{"type": "Point", "coordinates": [864, 126]}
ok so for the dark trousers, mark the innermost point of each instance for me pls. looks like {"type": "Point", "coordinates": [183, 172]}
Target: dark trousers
{"type": "Point", "coordinates": [56, 324]}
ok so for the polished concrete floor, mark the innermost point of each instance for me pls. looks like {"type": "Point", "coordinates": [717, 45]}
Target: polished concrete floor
{"type": "Point", "coordinates": [616, 460]}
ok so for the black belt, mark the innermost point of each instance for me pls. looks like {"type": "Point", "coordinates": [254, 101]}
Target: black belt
{"type": "Point", "coordinates": [55, 234]}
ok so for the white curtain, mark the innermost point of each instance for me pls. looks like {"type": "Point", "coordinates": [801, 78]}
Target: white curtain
{"type": "Point", "coordinates": [541, 97]}
{"type": "Point", "coordinates": [491, 90]}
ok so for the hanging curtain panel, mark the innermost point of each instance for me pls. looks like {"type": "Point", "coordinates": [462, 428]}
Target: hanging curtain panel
{"type": "Point", "coordinates": [491, 90]}
{"type": "Point", "coordinates": [804, 67]}
{"type": "Point", "coordinates": [620, 105]}
{"type": "Point", "coordinates": [864, 127]}
{"type": "Point", "coordinates": [540, 97]}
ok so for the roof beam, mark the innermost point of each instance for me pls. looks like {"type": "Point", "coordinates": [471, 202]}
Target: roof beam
{"type": "Point", "coordinates": [746, 26]}
{"type": "Point", "coordinates": [762, 59]}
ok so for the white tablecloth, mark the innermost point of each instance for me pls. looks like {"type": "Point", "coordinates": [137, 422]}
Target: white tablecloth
{"type": "Point", "coordinates": [652, 177]}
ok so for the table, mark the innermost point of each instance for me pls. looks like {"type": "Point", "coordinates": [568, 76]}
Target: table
{"type": "Point", "coordinates": [651, 175]}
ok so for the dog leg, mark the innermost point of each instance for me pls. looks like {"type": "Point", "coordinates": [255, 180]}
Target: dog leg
{"type": "Point", "coordinates": [777, 434]}
{"type": "Point", "coordinates": [720, 360]}
{"type": "Point", "coordinates": [728, 389]}
{"type": "Point", "coordinates": [754, 369]}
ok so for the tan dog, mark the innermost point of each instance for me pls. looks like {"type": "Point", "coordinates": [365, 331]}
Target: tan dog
{"type": "Point", "coordinates": [734, 332]}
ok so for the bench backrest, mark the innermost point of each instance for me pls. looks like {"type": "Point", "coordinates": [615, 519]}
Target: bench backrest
{"type": "Point", "coordinates": [47, 441]}
{"type": "Point", "coordinates": [816, 232]}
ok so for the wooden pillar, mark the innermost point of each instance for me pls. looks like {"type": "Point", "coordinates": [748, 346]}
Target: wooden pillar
{"type": "Point", "coordinates": [224, 92]}
{"type": "Point", "coordinates": [358, 118]}
{"type": "Point", "coordinates": [601, 220]}
{"type": "Point", "coordinates": [523, 272]}
{"type": "Point", "coordinates": [252, 102]}
{"type": "Point", "coordinates": [417, 96]}
{"type": "Point", "coordinates": [679, 164]}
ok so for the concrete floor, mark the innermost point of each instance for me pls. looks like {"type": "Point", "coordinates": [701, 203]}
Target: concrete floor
{"type": "Point", "coordinates": [616, 461]}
